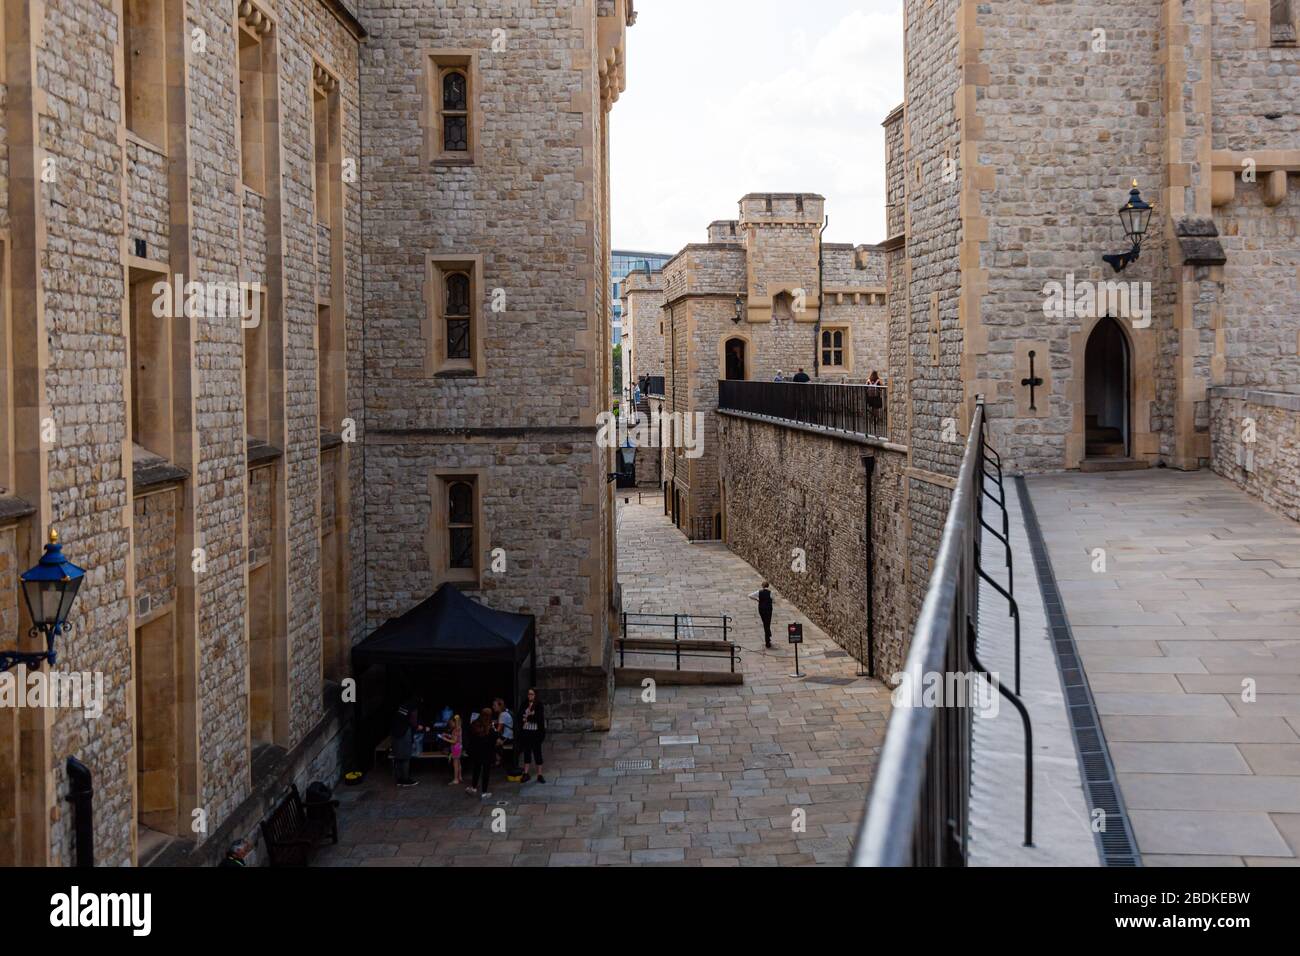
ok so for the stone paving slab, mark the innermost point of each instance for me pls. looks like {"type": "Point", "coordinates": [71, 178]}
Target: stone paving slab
{"type": "Point", "coordinates": [1062, 831]}
{"type": "Point", "coordinates": [1206, 574]}
{"type": "Point", "coordinates": [769, 754]}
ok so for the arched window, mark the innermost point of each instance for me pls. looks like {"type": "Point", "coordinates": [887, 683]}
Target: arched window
{"type": "Point", "coordinates": [455, 111]}
{"type": "Point", "coordinates": [460, 525]}
{"type": "Point", "coordinates": [456, 313]}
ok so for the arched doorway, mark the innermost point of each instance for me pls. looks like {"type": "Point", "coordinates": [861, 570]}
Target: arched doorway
{"type": "Point", "coordinates": [1107, 396]}
{"type": "Point", "coordinates": [734, 355]}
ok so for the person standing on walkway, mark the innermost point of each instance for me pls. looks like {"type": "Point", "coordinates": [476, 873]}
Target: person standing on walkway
{"type": "Point", "coordinates": [801, 377]}
{"type": "Point", "coordinates": [406, 724]}
{"type": "Point", "coordinates": [482, 744]}
{"type": "Point", "coordinates": [454, 739]}
{"type": "Point", "coordinates": [505, 729]}
{"type": "Point", "coordinates": [764, 598]}
{"type": "Point", "coordinates": [532, 719]}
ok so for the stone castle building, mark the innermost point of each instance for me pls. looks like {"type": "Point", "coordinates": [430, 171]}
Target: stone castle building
{"type": "Point", "coordinates": [643, 359]}
{"type": "Point", "coordinates": [1024, 127]}
{"type": "Point", "coordinates": [1005, 169]}
{"type": "Point", "coordinates": [763, 295]}
{"type": "Point", "coordinates": [272, 272]}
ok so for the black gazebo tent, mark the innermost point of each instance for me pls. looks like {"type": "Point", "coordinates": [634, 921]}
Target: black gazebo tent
{"type": "Point", "coordinates": [452, 650]}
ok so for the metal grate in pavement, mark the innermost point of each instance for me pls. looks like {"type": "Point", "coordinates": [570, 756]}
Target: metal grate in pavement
{"type": "Point", "coordinates": [633, 764]}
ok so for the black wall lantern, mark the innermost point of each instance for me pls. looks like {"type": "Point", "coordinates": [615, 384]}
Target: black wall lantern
{"type": "Point", "coordinates": [1135, 216]}
{"type": "Point", "coordinates": [740, 310]}
{"type": "Point", "coordinates": [49, 590]}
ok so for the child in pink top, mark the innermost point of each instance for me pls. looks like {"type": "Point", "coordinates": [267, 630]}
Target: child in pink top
{"type": "Point", "coordinates": [454, 738]}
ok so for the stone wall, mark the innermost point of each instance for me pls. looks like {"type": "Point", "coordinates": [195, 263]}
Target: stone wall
{"type": "Point", "coordinates": [1268, 466]}
{"type": "Point", "coordinates": [155, 551]}
{"type": "Point", "coordinates": [149, 208]}
{"type": "Point", "coordinates": [186, 201]}
{"type": "Point", "coordinates": [1261, 335]}
{"type": "Point", "coordinates": [794, 494]}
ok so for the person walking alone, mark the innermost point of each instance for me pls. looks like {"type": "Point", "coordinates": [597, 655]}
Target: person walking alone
{"type": "Point", "coordinates": [764, 598]}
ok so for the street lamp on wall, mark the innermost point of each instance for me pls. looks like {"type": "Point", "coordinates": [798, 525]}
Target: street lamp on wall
{"type": "Point", "coordinates": [1135, 215]}
{"type": "Point", "coordinates": [49, 589]}
{"type": "Point", "coordinates": [740, 310]}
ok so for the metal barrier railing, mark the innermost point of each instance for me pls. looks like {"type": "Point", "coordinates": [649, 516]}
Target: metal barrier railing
{"type": "Point", "coordinates": [685, 640]}
{"type": "Point", "coordinates": [852, 409]}
{"type": "Point", "coordinates": [918, 813]}
{"type": "Point", "coordinates": [684, 626]}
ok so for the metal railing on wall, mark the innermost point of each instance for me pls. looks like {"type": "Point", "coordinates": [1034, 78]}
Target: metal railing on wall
{"type": "Point", "coordinates": [654, 385]}
{"type": "Point", "coordinates": [918, 812]}
{"type": "Point", "coordinates": [851, 409]}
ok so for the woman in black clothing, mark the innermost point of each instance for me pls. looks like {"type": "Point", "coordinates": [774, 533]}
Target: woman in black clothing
{"type": "Point", "coordinates": [532, 723]}
{"type": "Point", "coordinates": [481, 742]}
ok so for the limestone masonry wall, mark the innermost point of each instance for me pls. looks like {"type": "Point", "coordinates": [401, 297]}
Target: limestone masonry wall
{"type": "Point", "coordinates": [1269, 466]}
{"type": "Point", "coordinates": [792, 493]}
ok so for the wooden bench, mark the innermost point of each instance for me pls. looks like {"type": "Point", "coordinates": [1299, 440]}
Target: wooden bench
{"type": "Point", "coordinates": [293, 831]}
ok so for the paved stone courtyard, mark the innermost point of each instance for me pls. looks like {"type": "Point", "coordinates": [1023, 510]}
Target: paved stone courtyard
{"type": "Point", "coordinates": [766, 751]}
{"type": "Point", "coordinates": [1201, 594]}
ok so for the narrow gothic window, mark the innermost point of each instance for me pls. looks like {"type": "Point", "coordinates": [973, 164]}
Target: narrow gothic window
{"type": "Point", "coordinates": [460, 525]}
{"type": "Point", "coordinates": [456, 312]}
{"type": "Point", "coordinates": [455, 112]}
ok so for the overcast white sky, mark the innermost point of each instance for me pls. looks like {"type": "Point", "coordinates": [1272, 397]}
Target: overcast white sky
{"type": "Point", "coordinates": [727, 97]}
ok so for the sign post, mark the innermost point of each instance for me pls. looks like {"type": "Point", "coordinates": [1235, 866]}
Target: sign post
{"type": "Point", "coordinates": [796, 638]}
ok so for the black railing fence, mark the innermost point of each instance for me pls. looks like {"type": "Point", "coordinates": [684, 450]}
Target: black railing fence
{"type": "Point", "coordinates": [919, 808]}
{"type": "Point", "coordinates": [653, 385]}
{"type": "Point", "coordinates": [852, 409]}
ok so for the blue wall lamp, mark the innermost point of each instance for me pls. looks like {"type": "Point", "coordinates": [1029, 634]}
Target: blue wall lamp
{"type": "Point", "coordinates": [49, 590]}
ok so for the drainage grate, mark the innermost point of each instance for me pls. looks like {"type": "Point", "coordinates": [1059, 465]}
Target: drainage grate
{"type": "Point", "coordinates": [1115, 845]}
{"type": "Point", "coordinates": [833, 681]}
{"type": "Point", "coordinates": [633, 764]}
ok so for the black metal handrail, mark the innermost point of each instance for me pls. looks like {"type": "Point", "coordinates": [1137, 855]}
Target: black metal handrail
{"type": "Point", "coordinates": [919, 809]}
{"type": "Point", "coordinates": [684, 625]}
{"type": "Point", "coordinates": [655, 385]}
{"type": "Point", "coordinates": [851, 409]}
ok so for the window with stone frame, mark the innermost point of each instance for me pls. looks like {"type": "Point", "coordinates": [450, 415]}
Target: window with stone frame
{"type": "Point", "coordinates": [455, 323]}
{"type": "Point", "coordinates": [145, 86]}
{"type": "Point", "coordinates": [456, 535]}
{"type": "Point", "coordinates": [835, 349]}
{"type": "Point", "coordinates": [1282, 22]}
{"type": "Point", "coordinates": [451, 136]}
